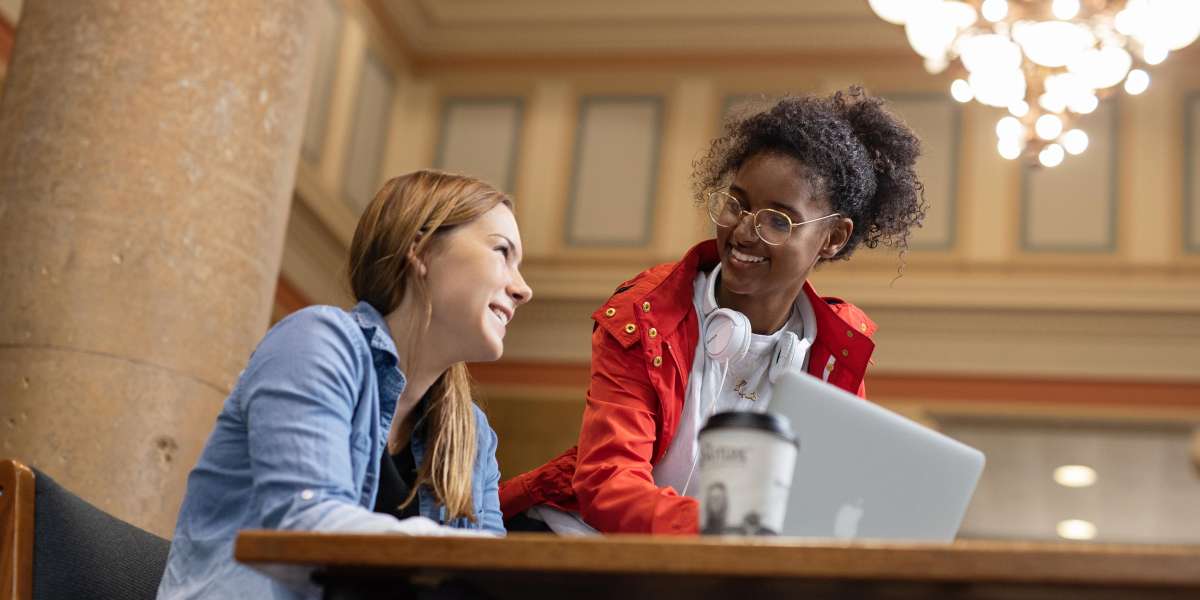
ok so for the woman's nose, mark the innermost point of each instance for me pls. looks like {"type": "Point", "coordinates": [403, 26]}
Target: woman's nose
{"type": "Point", "coordinates": [744, 230]}
{"type": "Point", "coordinates": [518, 290]}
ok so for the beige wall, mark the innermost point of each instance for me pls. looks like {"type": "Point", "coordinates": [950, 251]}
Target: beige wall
{"type": "Point", "coordinates": [995, 297]}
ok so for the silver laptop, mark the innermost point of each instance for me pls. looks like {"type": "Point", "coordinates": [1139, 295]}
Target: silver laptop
{"type": "Point", "coordinates": [864, 472]}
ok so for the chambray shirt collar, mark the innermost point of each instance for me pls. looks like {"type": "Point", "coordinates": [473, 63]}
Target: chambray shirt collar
{"type": "Point", "coordinates": [385, 358]}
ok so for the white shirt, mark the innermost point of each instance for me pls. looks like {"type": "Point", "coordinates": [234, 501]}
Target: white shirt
{"type": "Point", "coordinates": [745, 379]}
{"type": "Point", "coordinates": [746, 385]}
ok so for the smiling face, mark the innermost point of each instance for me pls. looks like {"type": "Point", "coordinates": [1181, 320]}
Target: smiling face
{"type": "Point", "coordinates": [475, 287]}
{"type": "Point", "coordinates": [761, 280]}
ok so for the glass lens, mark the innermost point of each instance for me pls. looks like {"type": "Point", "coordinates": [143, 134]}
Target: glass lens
{"type": "Point", "coordinates": [773, 226]}
{"type": "Point", "coordinates": [724, 209]}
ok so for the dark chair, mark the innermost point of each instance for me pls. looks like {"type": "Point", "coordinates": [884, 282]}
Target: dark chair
{"type": "Point", "coordinates": [74, 550]}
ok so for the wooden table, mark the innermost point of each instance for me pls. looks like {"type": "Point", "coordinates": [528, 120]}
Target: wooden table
{"type": "Point", "coordinates": [528, 566]}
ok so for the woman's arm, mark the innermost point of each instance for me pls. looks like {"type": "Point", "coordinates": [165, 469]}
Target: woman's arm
{"type": "Point", "coordinates": [614, 480]}
{"type": "Point", "coordinates": [490, 518]}
{"type": "Point", "coordinates": [299, 394]}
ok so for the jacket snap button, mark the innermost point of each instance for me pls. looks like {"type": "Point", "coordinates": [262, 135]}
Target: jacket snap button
{"type": "Point", "coordinates": [658, 361]}
{"type": "Point", "coordinates": [645, 307]}
{"type": "Point", "coordinates": [845, 353]}
{"type": "Point", "coordinates": [630, 328]}
{"type": "Point", "coordinates": [849, 333]}
{"type": "Point", "coordinates": [653, 332]}
{"type": "Point", "coordinates": [610, 312]}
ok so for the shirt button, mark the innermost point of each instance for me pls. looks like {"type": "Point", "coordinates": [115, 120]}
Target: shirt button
{"type": "Point", "coordinates": [610, 312]}
{"type": "Point", "coordinates": [307, 495]}
{"type": "Point", "coordinates": [645, 307]}
{"type": "Point", "coordinates": [653, 332]}
{"type": "Point", "coordinates": [630, 328]}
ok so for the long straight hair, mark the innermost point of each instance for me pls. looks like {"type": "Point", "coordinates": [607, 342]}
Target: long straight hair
{"type": "Point", "coordinates": [408, 215]}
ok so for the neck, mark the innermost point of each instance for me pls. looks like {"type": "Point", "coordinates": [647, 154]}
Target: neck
{"type": "Point", "coordinates": [421, 371]}
{"type": "Point", "coordinates": [767, 313]}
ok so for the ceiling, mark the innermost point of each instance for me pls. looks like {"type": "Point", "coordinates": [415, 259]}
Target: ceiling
{"type": "Point", "coordinates": [435, 28]}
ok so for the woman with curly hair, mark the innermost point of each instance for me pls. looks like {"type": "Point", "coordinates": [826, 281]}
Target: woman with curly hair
{"type": "Point", "coordinates": [805, 182]}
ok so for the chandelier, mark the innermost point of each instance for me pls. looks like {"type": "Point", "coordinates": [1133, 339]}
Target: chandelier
{"type": "Point", "coordinates": [1046, 62]}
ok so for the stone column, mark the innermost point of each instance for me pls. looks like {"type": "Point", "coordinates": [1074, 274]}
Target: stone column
{"type": "Point", "coordinates": [147, 158]}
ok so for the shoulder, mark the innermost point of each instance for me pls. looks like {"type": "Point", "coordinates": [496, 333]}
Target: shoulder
{"type": "Point", "coordinates": [852, 315]}
{"type": "Point", "coordinates": [326, 331]}
{"type": "Point", "coordinates": [664, 290]}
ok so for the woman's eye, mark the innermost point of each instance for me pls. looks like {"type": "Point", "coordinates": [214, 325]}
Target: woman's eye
{"type": "Point", "coordinates": [503, 250]}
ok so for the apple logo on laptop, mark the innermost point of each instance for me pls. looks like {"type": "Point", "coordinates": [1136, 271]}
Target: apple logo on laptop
{"type": "Point", "coordinates": [845, 523]}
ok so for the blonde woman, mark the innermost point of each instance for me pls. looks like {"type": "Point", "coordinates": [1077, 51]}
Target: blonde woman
{"type": "Point", "coordinates": [362, 420]}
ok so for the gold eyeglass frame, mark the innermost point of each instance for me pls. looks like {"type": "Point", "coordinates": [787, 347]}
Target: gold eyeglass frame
{"type": "Point", "coordinates": [726, 197]}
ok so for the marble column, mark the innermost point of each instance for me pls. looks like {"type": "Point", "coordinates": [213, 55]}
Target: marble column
{"type": "Point", "coordinates": [147, 159]}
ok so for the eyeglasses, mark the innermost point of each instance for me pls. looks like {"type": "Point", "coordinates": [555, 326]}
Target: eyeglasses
{"type": "Point", "coordinates": [773, 227]}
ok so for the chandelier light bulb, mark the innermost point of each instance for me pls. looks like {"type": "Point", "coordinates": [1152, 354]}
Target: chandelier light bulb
{"type": "Point", "coordinates": [989, 52]}
{"type": "Point", "coordinates": [1154, 54]}
{"type": "Point", "coordinates": [1009, 128]}
{"type": "Point", "coordinates": [1045, 62]}
{"type": "Point", "coordinates": [1052, 43]}
{"type": "Point", "coordinates": [1009, 149]}
{"type": "Point", "coordinates": [1137, 82]}
{"type": "Point", "coordinates": [994, 10]}
{"type": "Point", "coordinates": [1101, 68]}
{"type": "Point", "coordinates": [1084, 105]}
{"type": "Point", "coordinates": [1052, 102]}
{"type": "Point", "coordinates": [1065, 9]}
{"type": "Point", "coordinates": [1051, 156]}
{"type": "Point", "coordinates": [896, 12]}
{"type": "Point", "coordinates": [1048, 127]}
{"type": "Point", "coordinates": [999, 88]}
{"type": "Point", "coordinates": [961, 91]}
{"type": "Point", "coordinates": [1075, 141]}
{"type": "Point", "coordinates": [931, 28]}
{"type": "Point", "coordinates": [937, 64]}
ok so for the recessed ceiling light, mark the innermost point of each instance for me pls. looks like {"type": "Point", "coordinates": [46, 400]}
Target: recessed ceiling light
{"type": "Point", "coordinates": [1075, 476]}
{"type": "Point", "coordinates": [1076, 529]}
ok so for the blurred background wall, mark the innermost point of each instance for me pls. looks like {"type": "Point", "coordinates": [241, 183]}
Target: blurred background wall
{"type": "Point", "coordinates": [1050, 317]}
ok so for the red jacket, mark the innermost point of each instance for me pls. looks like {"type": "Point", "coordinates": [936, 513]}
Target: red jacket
{"type": "Point", "coordinates": [642, 349]}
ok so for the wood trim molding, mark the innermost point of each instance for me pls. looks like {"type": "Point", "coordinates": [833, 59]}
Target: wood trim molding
{"type": "Point", "coordinates": [16, 530]}
{"type": "Point", "coordinates": [288, 299]}
{"type": "Point", "coordinates": [7, 35]}
{"type": "Point", "coordinates": [941, 390]}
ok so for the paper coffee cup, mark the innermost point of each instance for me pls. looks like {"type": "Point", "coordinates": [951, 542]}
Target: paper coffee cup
{"type": "Point", "coordinates": [746, 465]}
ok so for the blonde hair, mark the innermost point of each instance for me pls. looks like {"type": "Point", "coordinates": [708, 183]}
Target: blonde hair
{"type": "Point", "coordinates": [411, 212]}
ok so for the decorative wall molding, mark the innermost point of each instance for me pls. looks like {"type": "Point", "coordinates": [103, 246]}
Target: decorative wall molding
{"type": "Point", "coordinates": [614, 173]}
{"type": "Point", "coordinates": [940, 142]}
{"type": "Point", "coordinates": [1099, 165]}
{"type": "Point", "coordinates": [329, 39]}
{"type": "Point", "coordinates": [1191, 173]}
{"type": "Point", "coordinates": [369, 131]}
{"type": "Point", "coordinates": [481, 137]}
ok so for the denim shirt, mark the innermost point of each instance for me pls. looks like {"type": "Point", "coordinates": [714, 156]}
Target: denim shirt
{"type": "Point", "coordinates": [297, 447]}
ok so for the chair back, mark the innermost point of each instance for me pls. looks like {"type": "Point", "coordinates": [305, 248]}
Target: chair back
{"type": "Point", "coordinates": [16, 530]}
{"type": "Point", "coordinates": [80, 551]}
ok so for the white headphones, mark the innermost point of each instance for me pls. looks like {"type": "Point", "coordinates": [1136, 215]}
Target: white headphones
{"type": "Point", "coordinates": [727, 339]}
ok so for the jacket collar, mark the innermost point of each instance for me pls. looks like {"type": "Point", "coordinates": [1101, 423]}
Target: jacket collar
{"type": "Point", "coordinates": [661, 297]}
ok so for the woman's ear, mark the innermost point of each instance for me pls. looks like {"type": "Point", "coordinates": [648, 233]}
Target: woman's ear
{"type": "Point", "coordinates": [414, 259]}
{"type": "Point", "coordinates": [839, 234]}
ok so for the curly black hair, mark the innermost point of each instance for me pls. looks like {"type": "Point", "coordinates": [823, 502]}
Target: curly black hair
{"type": "Point", "coordinates": [861, 157]}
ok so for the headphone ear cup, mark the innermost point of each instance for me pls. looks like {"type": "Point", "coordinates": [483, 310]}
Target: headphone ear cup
{"type": "Point", "coordinates": [788, 356]}
{"type": "Point", "coordinates": [726, 335]}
